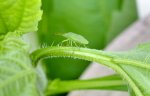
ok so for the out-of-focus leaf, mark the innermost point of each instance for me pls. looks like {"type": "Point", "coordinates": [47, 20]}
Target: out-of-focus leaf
{"type": "Point", "coordinates": [19, 15]}
{"type": "Point", "coordinates": [122, 18]}
{"type": "Point", "coordinates": [98, 20]}
{"type": "Point", "coordinates": [17, 76]}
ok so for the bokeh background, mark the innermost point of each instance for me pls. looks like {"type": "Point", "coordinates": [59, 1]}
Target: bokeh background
{"type": "Point", "coordinates": [99, 21]}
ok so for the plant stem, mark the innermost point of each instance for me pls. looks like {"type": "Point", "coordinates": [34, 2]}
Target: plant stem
{"type": "Point", "coordinates": [102, 57]}
{"type": "Point", "coordinates": [72, 52]}
{"type": "Point", "coordinates": [112, 82]}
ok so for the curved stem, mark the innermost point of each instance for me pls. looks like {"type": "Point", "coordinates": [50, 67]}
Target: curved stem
{"type": "Point", "coordinates": [83, 53]}
{"type": "Point", "coordinates": [102, 57]}
{"type": "Point", "coordinates": [71, 52]}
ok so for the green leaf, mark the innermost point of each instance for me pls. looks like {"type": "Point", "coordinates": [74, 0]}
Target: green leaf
{"type": "Point", "coordinates": [112, 82]}
{"type": "Point", "coordinates": [132, 65]}
{"type": "Point", "coordinates": [99, 21]}
{"type": "Point", "coordinates": [19, 15]}
{"type": "Point", "coordinates": [17, 76]}
{"type": "Point", "coordinates": [120, 18]}
{"type": "Point", "coordinates": [135, 65]}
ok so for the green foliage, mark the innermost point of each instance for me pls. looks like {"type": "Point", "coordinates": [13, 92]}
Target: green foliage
{"type": "Point", "coordinates": [132, 65]}
{"type": "Point", "coordinates": [121, 18]}
{"type": "Point", "coordinates": [99, 21]}
{"type": "Point", "coordinates": [19, 15]}
{"type": "Point", "coordinates": [18, 77]}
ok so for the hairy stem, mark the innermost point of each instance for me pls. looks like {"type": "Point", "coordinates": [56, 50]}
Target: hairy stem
{"type": "Point", "coordinates": [102, 57]}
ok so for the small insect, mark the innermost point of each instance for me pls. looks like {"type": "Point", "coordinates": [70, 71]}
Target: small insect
{"type": "Point", "coordinates": [74, 39]}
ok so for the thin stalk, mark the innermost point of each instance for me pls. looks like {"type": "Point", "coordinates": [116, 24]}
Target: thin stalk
{"type": "Point", "coordinates": [112, 82]}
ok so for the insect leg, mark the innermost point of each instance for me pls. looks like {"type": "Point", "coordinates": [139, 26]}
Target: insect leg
{"type": "Point", "coordinates": [68, 43]}
{"type": "Point", "coordinates": [71, 42]}
{"type": "Point", "coordinates": [75, 44]}
{"type": "Point", "coordinates": [64, 41]}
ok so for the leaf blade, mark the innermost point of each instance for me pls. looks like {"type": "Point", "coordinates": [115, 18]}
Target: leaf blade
{"type": "Point", "coordinates": [19, 15]}
{"type": "Point", "coordinates": [18, 77]}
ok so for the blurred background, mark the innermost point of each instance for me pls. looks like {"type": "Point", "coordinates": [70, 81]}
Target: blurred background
{"type": "Point", "coordinates": [99, 21]}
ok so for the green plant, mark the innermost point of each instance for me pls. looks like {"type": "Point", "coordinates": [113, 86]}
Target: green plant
{"type": "Point", "coordinates": [18, 74]}
{"type": "Point", "coordinates": [94, 19]}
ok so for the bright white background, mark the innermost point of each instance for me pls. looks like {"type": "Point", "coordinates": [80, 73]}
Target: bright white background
{"type": "Point", "coordinates": [143, 7]}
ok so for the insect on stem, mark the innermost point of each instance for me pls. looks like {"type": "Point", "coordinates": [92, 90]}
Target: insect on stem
{"type": "Point", "coordinates": [73, 39]}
